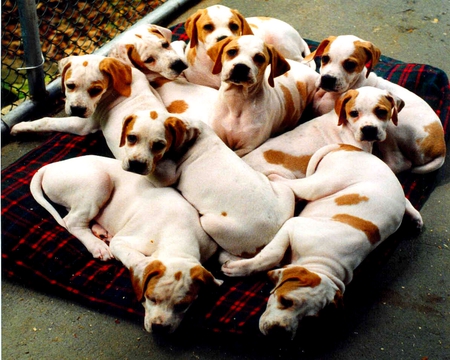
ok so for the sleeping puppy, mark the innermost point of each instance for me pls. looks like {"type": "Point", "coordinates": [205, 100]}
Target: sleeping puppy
{"type": "Point", "coordinates": [208, 26]}
{"type": "Point", "coordinates": [354, 203]}
{"type": "Point", "coordinates": [240, 208]}
{"type": "Point", "coordinates": [154, 232]}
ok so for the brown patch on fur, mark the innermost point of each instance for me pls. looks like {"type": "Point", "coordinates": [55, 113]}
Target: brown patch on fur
{"type": "Point", "coordinates": [159, 81]}
{"type": "Point", "coordinates": [286, 160]}
{"type": "Point", "coordinates": [350, 199]}
{"type": "Point", "coordinates": [139, 36]}
{"type": "Point", "coordinates": [295, 277]}
{"type": "Point", "coordinates": [290, 118]}
{"type": "Point", "coordinates": [85, 63]}
{"type": "Point", "coordinates": [178, 275]}
{"type": "Point", "coordinates": [367, 227]}
{"type": "Point", "coordinates": [345, 104]}
{"type": "Point", "coordinates": [97, 85]}
{"type": "Point", "coordinates": [224, 213]}
{"type": "Point", "coordinates": [127, 126]}
{"type": "Point", "coordinates": [178, 107]}
{"type": "Point", "coordinates": [153, 115]}
{"type": "Point", "coordinates": [145, 283]}
{"type": "Point", "coordinates": [305, 96]}
{"type": "Point", "coordinates": [347, 147]}
{"type": "Point", "coordinates": [135, 59]}
{"type": "Point", "coordinates": [119, 74]}
{"type": "Point", "coordinates": [433, 145]}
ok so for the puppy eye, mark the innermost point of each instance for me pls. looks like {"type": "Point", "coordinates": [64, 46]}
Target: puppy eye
{"type": "Point", "coordinates": [181, 307]}
{"type": "Point", "coordinates": [70, 86]}
{"type": "Point", "coordinates": [165, 45]}
{"type": "Point", "coordinates": [234, 27]}
{"type": "Point", "coordinates": [232, 52]}
{"type": "Point", "coordinates": [150, 60]}
{"type": "Point", "coordinates": [285, 302]}
{"type": "Point", "coordinates": [325, 59]}
{"type": "Point", "coordinates": [350, 65]}
{"type": "Point", "coordinates": [208, 27]}
{"type": "Point", "coordinates": [354, 113]}
{"type": "Point", "coordinates": [381, 113]}
{"type": "Point", "coordinates": [131, 139]}
{"type": "Point", "coordinates": [95, 91]}
{"type": "Point", "coordinates": [259, 58]}
{"type": "Point", "coordinates": [158, 146]}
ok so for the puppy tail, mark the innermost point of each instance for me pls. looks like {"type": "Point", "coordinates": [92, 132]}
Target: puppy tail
{"type": "Point", "coordinates": [38, 194]}
{"type": "Point", "coordinates": [318, 156]}
{"type": "Point", "coordinates": [433, 165]}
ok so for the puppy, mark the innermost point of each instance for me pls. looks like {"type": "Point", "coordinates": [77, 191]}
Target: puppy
{"type": "Point", "coordinates": [240, 208]}
{"type": "Point", "coordinates": [164, 256]}
{"type": "Point", "coordinates": [261, 93]}
{"type": "Point", "coordinates": [100, 92]}
{"type": "Point", "coordinates": [417, 142]}
{"type": "Point", "coordinates": [148, 49]}
{"type": "Point", "coordinates": [355, 203]}
{"type": "Point", "coordinates": [360, 118]}
{"type": "Point", "coordinates": [208, 26]}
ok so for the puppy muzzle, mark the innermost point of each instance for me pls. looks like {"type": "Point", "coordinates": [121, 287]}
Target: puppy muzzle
{"type": "Point", "coordinates": [178, 66]}
{"type": "Point", "coordinates": [240, 74]}
{"type": "Point", "coordinates": [137, 167]}
{"type": "Point", "coordinates": [80, 111]}
{"type": "Point", "coordinates": [328, 83]}
{"type": "Point", "coordinates": [369, 133]}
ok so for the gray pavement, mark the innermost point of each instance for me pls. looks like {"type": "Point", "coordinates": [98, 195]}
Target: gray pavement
{"type": "Point", "coordinates": [401, 312]}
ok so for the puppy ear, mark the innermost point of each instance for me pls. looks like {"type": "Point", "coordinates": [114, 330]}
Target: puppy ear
{"type": "Point", "coordinates": [134, 59]}
{"type": "Point", "coordinates": [215, 53]}
{"type": "Point", "coordinates": [143, 273]}
{"type": "Point", "coordinates": [191, 27]}
{"type": "Point", "coordinates": [64, 65]}
{"type": "Point", "coordinates": [397, 105]}
{"type": "Point", "coordinates": [245, 26]}
{"type": "Point", "coordinates": [164, 32]}
{"type": "Point", "coordinates": [321, 48]}
{"type": "Point", "coordinates": [278, 64]}
{"type": "Point", "coordinates": [120, 51]}
{"type": "Point", "coordinates": [119, 73]}
{"type": "Point", "coordinates": [179, 133]}
{"type": "Point", "coordinates": [339, 106]}
{"type": "Point", "coordinates": [127, 125]}
{"type": "Point", "coordinates": [203, 276]}
{"type": "Point", "coordinates": [372, 54]}
{"type": "Point", "coordinates": [274, 276]}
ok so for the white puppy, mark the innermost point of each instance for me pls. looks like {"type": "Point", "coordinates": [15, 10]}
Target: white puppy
{"type": "Point", "coordinates": [239, 207]}
{"type": "Point", "coordinates": [355, 203]}
{"type": "Point", "coordinates": [360, 118]}
{"type": "Point", "coordinates": [100, 92]}
{"type": "Point", "coordinates": [155, 232]}
{"type": "Point", "coordinates": [417, 142]}
{"type": "Point", "coordinates": [261, 93]}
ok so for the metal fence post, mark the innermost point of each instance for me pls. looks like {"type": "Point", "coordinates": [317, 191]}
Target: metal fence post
{"type": "Point", "coordinates": [34, 59]}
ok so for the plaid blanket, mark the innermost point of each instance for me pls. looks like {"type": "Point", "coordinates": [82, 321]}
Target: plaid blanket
{"type": "Point", "coordinates": [40, 254]}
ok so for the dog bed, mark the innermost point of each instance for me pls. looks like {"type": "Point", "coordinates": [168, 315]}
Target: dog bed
{"type": "Point", "coordinates": [38, 253]}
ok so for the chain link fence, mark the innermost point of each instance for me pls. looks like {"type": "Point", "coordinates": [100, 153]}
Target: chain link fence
{"type": "Point", "coordinates": [66, 28]}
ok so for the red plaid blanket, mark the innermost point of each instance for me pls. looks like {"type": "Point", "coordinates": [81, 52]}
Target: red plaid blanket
{"type": "Point", "coordinates": [39, 253]}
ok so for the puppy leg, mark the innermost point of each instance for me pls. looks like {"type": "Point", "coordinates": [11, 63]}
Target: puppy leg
{"type": "Point", "coordinates": [414, 214]}
{"type": "Point", "coordinates": [100, 232]}
{"type": "Point", "coordinates": [72, 124]}
{"type": "Point", "coordinates": [123, 251]}
{"type": "Point", "coordinates": [269, 257]}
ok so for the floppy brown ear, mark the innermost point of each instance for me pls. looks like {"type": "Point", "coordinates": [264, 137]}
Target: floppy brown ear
{"type": "Point", "coordinates": [245, 26]}
{"type": "Point", "coordinates": [339, 106]}
{"type": "Point", "coordinates": [126, 126]}
{"type": "Point", "coordinates": [397, 105]}
{"type": "Point", "coordinates": [278, 64]}
{"type": "Point", "coordinates": [64, 65]}
{"type": "Point", "coordinates": [142, 274]}
{"type": "Point", "coordinates": [135, 59]}
{"type": "Point", "coordinates": [164, 32]}
{"type": "Point", "coordinates": [215, 53]}
{"type": "Point", "coordinates": [203, 276]}
{"type": "Point", "coordinates": [372, 54]}
{"type": "Point", "coordinates": [321, 48]}
{"type": "Point", "coordinates": [191, 27]}
{"type": "Point", "coordinates": [274, 275]}
{"type": "Point", "coordinates": [119, 73]}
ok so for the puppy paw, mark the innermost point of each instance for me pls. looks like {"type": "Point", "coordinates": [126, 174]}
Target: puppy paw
{"type": "Point", "coordinates": [101, 251]}
{"type": "Point", "coordinates": [235, 268]}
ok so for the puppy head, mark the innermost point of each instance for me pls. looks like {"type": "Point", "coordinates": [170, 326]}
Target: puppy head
{"type": "Point", "coordinates": [167, 290]}
{"type": "Point", "coordinates": [243, 60]}
{"type": "Point", "coordinates": [148, 49]}
{"type": "Point", "coordinates": [208, 26]}
{"type": "Point", "coordinates": [149, 136]}
{"type": "Point", "coordinates": [367, 111]}
{"type": "Point", "coordinates": [85, 79]}
{"type": "Point", "coordinates": [344, 60]}
{"type": "Point", "coordinates": [298, 293]}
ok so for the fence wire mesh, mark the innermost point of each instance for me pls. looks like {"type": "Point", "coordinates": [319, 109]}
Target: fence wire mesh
{"type": "Point", "coordinates": [66, 27]}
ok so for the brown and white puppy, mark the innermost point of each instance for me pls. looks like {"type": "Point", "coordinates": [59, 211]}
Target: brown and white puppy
{"type": "Point", "coordinates": [149, 49]}
{"type": "Point", "coordinates": [240, 208]}
{"type": "Point", "coordinates": [354, 203]}
{"type": "Point", "coordinates": [100, 92]}
{"type": "Point", "coordinates": [261, 93]}
{"type": "Point", "coordinates": [208, 26]}
{"type": "Point", "coordinates": [154, 232]}
{"type": "Point", "coordinates": [417, 142]}
{"type": "Point", "coordinates": [360, 118]}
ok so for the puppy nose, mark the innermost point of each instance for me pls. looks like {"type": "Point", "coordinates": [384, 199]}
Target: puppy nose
{"type": "Point", "coordinates": [79, 111]}
{"type": "Point", "coordinates": [369, 133]}
{"type": "Point", "coordinates": [328, 82]}
{"type": "Point", "coordinates": [160, 329]}
{"type": "Point", "coordinates": [137, 167]}
{"type": "Point", "coordinates": [221, 38]}
{"type": "Point", "coordinates": [178, 66]}
{"type": "Point", "coordinates": [279, 333]}
{"type": "Point", "coordinates": [240, 73]}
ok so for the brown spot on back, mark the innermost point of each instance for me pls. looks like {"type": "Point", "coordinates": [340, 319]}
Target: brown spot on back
{"type": "Point", "coordinates": [291, 117]}
{"type": "Point", "coordinates": [153, 115]}
{"type": "Point", "coordinates": [178, 275]}
{"type": "Point", "coordinates": [85, 63]}
{"type": "Point", "coordinates": [433, 145]}
{"type": "Point", "coordinates": [350, 199]}
{"type": "Point", "coordinates": [286, 160]}
{"type": "Point", "coordinates": [159, 81]}
{"type": "Point", "coordinates": [369, 228]}
{"type": "Point", "coordinates": [224, 213]}
{"type": "Point", "coordinates": [177, 107]}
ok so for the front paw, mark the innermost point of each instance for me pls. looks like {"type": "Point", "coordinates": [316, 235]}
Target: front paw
{"type": "Point", "coordinates": [101, 251]}
{"type": "Point", "coordinates": [236, 268]}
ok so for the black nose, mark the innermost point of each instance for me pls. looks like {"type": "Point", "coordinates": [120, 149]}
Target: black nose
{"type": "Point", "coordinates": [239, 73]}
{"type": "Point", "coordinates": [160, 329]}
{"type": "Point", "coordinates": [79, 111]}
{"type": "Point", "coordinates": [369, 133]}
{"type": "Point", "coordinates": [137, 167]}
{"type": "Point", "coordinates": [178, 66]}
{"type": "Point", "coordinates": [279, 333]}
{"type": "Point", "coordinates": [328, 82]}
{"type": "Point", "coordinates": [221, 38]}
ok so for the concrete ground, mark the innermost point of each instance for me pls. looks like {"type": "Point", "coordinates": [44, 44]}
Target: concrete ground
{"type": "Point", "coordinates": [402, 313]}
